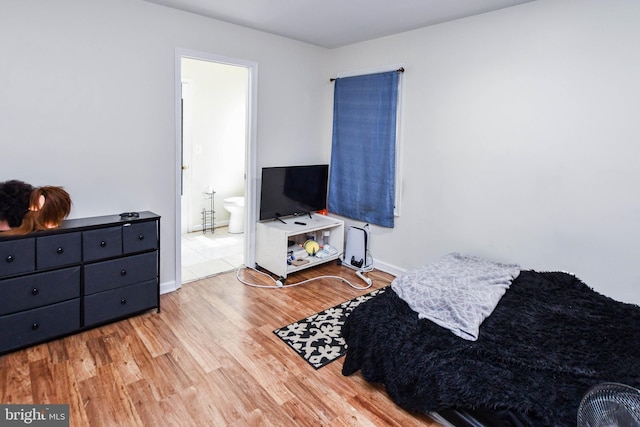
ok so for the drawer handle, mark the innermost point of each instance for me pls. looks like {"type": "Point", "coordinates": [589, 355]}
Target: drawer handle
{"type": "Point", "coordinates": [35, 327]}
{"type": "Point", "coordinates": [59, 251]}
{"type": "Point", "coordinates": [10, 258]}
{"type": "Point", "coordinates": [35, 291]}
{"type": "Point", "coordinates": [123, 272]}
{"type": "Point", "coordinates": [141, 237]}
{"type": "Point", "coordinates": [103, 244]}
{"type": "Point", "coordinates": [123, 301]}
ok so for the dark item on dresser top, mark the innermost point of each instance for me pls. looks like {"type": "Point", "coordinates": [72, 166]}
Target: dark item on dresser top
{"type": "Point", "coordinates": [85, 273]}
{"type": "Point", "coordinates": [549, 339]}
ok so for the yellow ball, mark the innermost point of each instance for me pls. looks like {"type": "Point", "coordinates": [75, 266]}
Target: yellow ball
{"type": "Point", "coordinates": [311, 246]}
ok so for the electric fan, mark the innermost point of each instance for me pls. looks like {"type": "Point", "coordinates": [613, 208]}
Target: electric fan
{"type": "Point", "coordinates": [610, 405]}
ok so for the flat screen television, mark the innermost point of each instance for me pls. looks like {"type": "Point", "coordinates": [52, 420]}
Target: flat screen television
{"type": "Point", "coordinates": [293, 190]}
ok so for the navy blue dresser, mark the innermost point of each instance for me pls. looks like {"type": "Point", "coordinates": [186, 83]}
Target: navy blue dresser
{"type": "Point", "coordinates": [87, 272]}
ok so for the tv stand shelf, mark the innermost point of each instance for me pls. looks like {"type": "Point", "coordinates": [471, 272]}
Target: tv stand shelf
{"type": "Point", "coordinates": [273, 238]}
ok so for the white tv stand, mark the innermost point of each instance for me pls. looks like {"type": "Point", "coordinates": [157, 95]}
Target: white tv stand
{"type": "Point", "coordinates": [273, 240]}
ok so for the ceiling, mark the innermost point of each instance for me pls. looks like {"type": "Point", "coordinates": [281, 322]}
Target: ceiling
{"type": "Point", "coordinates": [336, 23]}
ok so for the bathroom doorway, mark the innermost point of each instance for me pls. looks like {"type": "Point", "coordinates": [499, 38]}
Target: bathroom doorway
{"type": "Point", "coordinates": [216, 154]}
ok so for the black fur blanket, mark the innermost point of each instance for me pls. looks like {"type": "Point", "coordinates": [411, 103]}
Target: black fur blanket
{"type": "Point", "coordinates": [549, 339]}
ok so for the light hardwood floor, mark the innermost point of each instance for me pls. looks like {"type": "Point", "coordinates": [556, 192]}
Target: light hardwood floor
{"type": "Point", "coordinates": [209, 358]}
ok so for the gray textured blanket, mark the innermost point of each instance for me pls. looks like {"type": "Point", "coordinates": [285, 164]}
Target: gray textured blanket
{"type": "Point", "coordinates": [456, 292]}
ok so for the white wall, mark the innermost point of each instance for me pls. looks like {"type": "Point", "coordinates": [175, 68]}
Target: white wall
{"type": "Point", "coordinates": [87, 101]}
{"type": "Point", "coordinates": [520, 139]}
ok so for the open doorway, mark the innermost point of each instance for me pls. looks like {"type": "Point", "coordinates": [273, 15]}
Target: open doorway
{"type": "Point", "coordinates": [215, 133]}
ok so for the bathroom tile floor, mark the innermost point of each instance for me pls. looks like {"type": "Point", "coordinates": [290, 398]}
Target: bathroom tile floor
{"type": "Point", "coordinates": [205, 255]}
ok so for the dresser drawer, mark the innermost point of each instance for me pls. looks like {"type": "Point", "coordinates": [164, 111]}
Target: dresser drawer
{"type": "Point", "coordinates": [17, 256]}
{"type": "Point", "coordinates": [58, 250]}
{"type": "Point", "coordinates": [102, 243]}
{"type": "Point", "coordinates": [36, 290]}
{"type": "Point", "coordinates": [102, 276]}
{"type": "Point", "coordinates": [139, 237]}
{"type": "Point", "coordinates": [39, 324]}
{"type": "Point", "coordinates": [116, 303]}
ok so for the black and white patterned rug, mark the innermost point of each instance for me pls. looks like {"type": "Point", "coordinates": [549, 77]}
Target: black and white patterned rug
{"type": "Point", "coordinates": [318, 338]}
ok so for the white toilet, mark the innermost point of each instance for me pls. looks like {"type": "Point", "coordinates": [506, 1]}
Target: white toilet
{"type": "Point", "coordinates": [235, 207]}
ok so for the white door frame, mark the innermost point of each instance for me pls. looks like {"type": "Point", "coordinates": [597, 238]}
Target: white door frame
{"type": "Point", "coordinates": [250, 183]}
{"type": "Point", "coordinates": [186, 135]}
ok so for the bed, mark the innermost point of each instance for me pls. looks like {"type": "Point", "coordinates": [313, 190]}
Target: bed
{"type": "Point", "coordinates": [537, 349]}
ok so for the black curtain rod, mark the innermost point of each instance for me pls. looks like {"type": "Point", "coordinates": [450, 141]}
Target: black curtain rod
{"type": "Point", "coordinates": [399, 70]}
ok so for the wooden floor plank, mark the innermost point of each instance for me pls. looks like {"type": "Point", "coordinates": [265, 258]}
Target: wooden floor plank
{"type": "Point", "coordinates": [210, 357]}
{"type": "Point", "coordinates": [107, 401]}
{"type": "Point", "coordinates": [15, 381]}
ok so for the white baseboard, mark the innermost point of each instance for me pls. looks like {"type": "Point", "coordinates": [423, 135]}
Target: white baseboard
{"type": "Point", "coordinates": [388, 268]}
{"type": "Point", "coordinates": [167, 287]}
{"type": "Point", "coordinates": [216, 224]}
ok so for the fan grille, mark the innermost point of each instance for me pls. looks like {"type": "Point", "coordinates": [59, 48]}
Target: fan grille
{"type": "Point", "coordinates": [610, 405]}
